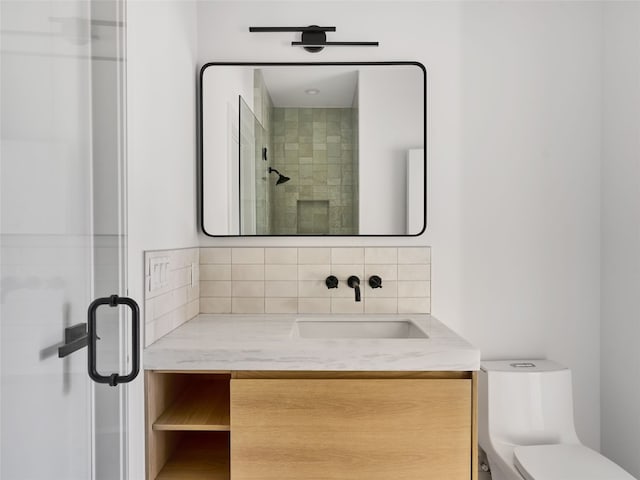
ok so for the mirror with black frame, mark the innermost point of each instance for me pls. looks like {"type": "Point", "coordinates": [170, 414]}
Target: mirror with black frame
{"type": "Point", "coordinates": [313, 149]}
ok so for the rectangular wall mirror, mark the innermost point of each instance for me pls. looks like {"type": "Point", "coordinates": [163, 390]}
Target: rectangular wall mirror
{"type": "Point", "coordinates": [313, 149]}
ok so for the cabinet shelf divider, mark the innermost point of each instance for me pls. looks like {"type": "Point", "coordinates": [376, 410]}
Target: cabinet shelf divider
{"type": "Point", "coordinates": [202, 407]}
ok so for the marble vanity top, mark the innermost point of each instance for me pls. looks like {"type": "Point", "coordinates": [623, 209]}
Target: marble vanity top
{"type": "Point", "coordinates": [265, 342]}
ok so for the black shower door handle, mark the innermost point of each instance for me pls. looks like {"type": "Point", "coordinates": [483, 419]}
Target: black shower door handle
{"type": "Point", "coordinates": [113, 301]}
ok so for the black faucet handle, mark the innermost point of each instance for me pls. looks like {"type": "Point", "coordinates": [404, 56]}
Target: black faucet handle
{"type": "Point", "coordinates": [375, 281]}
{"type": "Point", "coordinates": [331, 281]}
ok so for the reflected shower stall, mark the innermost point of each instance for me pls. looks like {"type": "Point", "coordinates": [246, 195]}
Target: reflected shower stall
{"type": "Point", "coordinates": [298, 166]}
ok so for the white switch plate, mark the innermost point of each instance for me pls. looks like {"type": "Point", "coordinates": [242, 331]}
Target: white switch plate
{"type": "Point", "coordinates": [159, 273]}
{"type": "Point", "coordinates": [194, 274]}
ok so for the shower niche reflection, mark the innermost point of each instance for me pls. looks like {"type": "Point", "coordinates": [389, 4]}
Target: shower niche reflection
{"type": "Point", "coordinates": [282, 149]}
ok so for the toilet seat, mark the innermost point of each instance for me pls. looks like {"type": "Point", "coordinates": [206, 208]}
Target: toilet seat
{"type": "Point", "coordinates": [565, 462]}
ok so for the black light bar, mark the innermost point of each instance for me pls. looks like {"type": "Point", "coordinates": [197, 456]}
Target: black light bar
{"type": "Point", "coordinates": [312, 28]}
{"type": "Point", "coordinates": [336, 44]}
{"type": "Point", "coordinates": [314, 38]}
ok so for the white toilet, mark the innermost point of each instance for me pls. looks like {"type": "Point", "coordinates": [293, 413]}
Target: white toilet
{"type": "Point", "coordinates": [525, 425]}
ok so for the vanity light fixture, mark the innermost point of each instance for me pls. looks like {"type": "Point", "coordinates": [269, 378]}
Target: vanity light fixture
{"type": "Point", "coordinates": [312, 91]}
{"type": "Point", "coordinates": [314, 37]}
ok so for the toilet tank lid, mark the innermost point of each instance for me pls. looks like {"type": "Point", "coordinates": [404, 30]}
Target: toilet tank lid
{"type": "Point", "coordinates": [537, 365]}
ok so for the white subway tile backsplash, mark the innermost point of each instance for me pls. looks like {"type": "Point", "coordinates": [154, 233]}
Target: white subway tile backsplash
{"type": "Point", "coordinates": [285, 280]}
{"type": "Point", "coordinates": [413, 255]}
{"type": "Point", "coordinates": [281, 305]}
{"type": "Point", "coordinates": [281, 272]}
{"type": "Point", "coordinates": [281, 289]}
{"type": "Point", "coordinates": [150, 334]}
{"type": "Point", "coordinates": [166, 324]}
{"type": "Point", "coordinates": [179, 298]}
{"type": "Point", "coordinates": [414, 305]}
{"type": "Point", "coordinates": [242, 288]}
{"type": "Point", "coordinates": [161, 327]}
{"type": "Point", "coordinates": [381, 255]}
{"type": "Point", "coordinates": [386, 272]}
{"type": "Point", "coordinates": [180, 258]}
{"type": "Point", "coordinates": [313, 289]}
{"type": "Point", "coordinates": [215, 256]}
{"type": "Point", "coordinates": [215, 304]}
{"type": "Point", "coordinates": [311, 256]}
{"type": "Point", "coordinates": [247, 272]}
{"type": "Point", "coordinates": [193, 292]}
{"type": "Point", "coordinates": [149, 309]}
{"type": "Point", "coordinates": [180, 277]}
{"type": "Point", "coordinates": [163, 304]}
{"type": "Point", "coordinates": [414, 272]}
{"type": "Point", "coordinates": [417, 288]}
{"type": "Point", "coordinates": [193, 309]}
{"type": "Point", "coordinates": [281, 256]}
{"type": "Point", "coordinates": [314, 305]}
{"type": "Point", "coordinates": [314, 272]}
{"type": "Point", "coordinates": [178, 316]}
{"type": "Point", "coordinates": [381, 305]}
{"type": "Point", "coordinates": [346, 305]}
{"type": "Point", "coordinates": [276, 275]}
{"type": "Point", "coordinates": [247, 305]}
{"type": "Point", "coordinates": [215, 272]}
{"type": "Point", "coordinates": [247, 256]}
{"type": "Point", "coordinates": [215, 288]}
{"type": "Point", "coordinates": [389, 290]}
{"type": "Point", "coordinates": [348, 256]}
{"type": "Point", "coordinates": [343, 272]}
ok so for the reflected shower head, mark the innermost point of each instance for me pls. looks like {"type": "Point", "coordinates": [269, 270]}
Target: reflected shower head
{"type": "Point", "coordinates": [281, 178]}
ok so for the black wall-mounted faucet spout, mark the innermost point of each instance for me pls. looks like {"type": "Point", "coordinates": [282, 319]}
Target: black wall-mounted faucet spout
{"type": "Point", "coordinates": [354, 282]}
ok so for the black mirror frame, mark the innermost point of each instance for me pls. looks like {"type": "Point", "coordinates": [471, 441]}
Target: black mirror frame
{"type": "Point", "coordinates": [292, 64]}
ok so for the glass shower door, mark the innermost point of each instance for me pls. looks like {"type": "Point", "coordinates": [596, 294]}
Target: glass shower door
{"type": "Point", "coordinates": [254, 175]}
{"type": "Point", "coordinates": [63, 240]}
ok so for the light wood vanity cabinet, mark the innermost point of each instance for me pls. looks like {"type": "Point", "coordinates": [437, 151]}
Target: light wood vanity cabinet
{"type": "Point", "coordinates": [313, 425]}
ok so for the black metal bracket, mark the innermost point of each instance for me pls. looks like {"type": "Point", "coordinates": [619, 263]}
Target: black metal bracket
{"type": "Point", "coordinates": [314, 37]}
{"type": "Point", "coordinates": [113, 301]}
{"type": "Point", "coordinates": [75, 338]}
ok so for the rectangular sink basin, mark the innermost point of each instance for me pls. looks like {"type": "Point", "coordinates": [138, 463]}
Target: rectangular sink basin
{"type": "Point", "coordinates": [357, 329]}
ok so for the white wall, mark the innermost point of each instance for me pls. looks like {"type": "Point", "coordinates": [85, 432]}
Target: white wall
{"type": "Point", "coordinates": [221, 87]}
{"type": "Point", "coordinates": [161, 49]}
{"type": "Point", "coordinates": [530, 182]}
{"type": "Point", "coordinates": [621, 235]}
{"type": "Point", "coordinates": [514, 121]}
{"type": "Point", "coordinates": [387, 98]}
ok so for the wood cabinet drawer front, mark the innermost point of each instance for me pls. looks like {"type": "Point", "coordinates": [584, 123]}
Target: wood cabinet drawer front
{"type": "Point", "coordinates": [351, 429]}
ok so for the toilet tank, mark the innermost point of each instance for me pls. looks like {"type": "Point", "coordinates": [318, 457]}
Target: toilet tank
{"type": "Point", "coordinates": [525, 402]}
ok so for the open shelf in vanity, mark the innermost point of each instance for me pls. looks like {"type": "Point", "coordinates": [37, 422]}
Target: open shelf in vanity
{"type": "Point", "coordinates": [187, 425]}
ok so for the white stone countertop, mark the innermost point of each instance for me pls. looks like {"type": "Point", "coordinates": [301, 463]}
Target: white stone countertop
{"type": "Point", "coordinates": [266, 342]}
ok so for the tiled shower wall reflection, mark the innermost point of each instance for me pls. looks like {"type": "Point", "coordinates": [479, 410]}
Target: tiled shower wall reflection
{"type": "Point", "coordinates": [315, 148]}
{"type": "Point", "coordinates": [292, 280]}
